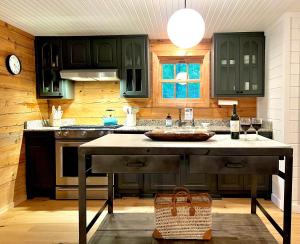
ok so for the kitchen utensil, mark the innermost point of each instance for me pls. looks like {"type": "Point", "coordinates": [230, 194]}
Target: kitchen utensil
{"type": "Point", "coordinates": [131, 115]}
{"type": "Point", "coordinates": [109, 118]}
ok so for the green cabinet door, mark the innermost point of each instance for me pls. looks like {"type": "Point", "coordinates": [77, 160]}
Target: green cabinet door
{"type": "Point", "coordinates": [134, 80]}
{"type": "Point", "coordinates": [251, 65]}
{"type": "Point", "coordinates": [105, 53]}
{"type": "Point", "coordinates": [160, 182]}
{"type": "Point", "coordinates": [48, 65]}
{"type": "Point", "coordinates": [226, 65]}
{"type": "Point", "coordinates": [76, 53]}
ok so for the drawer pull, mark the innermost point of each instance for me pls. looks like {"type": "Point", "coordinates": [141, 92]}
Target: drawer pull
{"type": "Point", "coordinates": [136, 164]}
{"type": "Point", "coordinates": [234, 165]}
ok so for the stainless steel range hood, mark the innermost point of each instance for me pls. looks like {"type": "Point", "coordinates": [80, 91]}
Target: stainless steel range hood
{"type": "Point", "coordinates": [90, 74]}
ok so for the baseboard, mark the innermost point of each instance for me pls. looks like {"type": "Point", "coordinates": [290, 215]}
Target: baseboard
{"type": "Point", "coordinates": [296, 208]}
{"type": "Point", "coordinates": [6, 207]}
{"type": "Point", "coordinates": [13, 204]}
{"type": "Point", "coordinates": [277, 201]}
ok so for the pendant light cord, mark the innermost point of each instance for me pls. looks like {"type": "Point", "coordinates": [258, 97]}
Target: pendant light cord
{"type": "Point", "coordinates": [184, 3]}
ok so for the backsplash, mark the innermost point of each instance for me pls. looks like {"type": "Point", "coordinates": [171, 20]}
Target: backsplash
{"type": "Point", "coordinates": [91, 99]}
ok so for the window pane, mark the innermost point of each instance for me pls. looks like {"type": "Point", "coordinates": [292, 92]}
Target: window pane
{"type": "Point", "coordinates": [168, 71]}
{"type": "Point", "coordinates": [181, 71]}
{"type": "Point", "coordinates": [180, 90]}
{"type": "Point", "coordinates": [168, 90]}
{"type": "Point", "coordinates": [194, 71]}
{"type": "Point", "coordinates": [194, 90]}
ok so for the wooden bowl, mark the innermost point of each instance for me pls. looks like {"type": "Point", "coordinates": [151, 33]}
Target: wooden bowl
{"type": "Point", "coordinates": [179, 135]}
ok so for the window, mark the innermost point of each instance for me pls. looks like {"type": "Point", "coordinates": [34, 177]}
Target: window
{"type": "Point", "coordinates": [180, 81]}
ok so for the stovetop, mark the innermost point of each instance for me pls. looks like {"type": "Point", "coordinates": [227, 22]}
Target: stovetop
{"type": "Point", "coordinates": [89, 127]}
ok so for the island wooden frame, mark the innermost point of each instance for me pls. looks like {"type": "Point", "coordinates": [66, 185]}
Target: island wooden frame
{"type": "Point", "coordinates": [266, 155]}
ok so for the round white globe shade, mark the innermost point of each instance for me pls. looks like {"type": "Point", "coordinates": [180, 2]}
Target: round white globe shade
{"type": "Point", "coordinates": [186, 28]}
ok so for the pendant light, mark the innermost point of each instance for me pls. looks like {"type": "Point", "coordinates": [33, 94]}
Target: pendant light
{"type": "Point", "coordinates": [186, 27]}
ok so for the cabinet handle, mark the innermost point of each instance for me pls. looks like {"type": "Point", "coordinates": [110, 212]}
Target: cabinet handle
{"type": "Point", "coordinates": [241, 92]}
{"type": "Point", "coordinates": [235, 165]}
{"type": "Point", "coordinates": [124, 94]}
{"type": "Point", "coordinates": [136, 164]}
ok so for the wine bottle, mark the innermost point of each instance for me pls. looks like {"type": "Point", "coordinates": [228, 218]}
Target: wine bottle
{"type": "Point", "coordinates": [234, 124]}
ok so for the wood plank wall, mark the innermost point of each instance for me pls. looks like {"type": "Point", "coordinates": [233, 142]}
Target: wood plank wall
{"type": "Point", "coordinates": [18, 103]}
{"type": "Point", "coordinates": [92, 98]}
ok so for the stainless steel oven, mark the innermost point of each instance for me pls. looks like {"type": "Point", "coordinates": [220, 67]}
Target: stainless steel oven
{"type": "Point", "coordinates": [67, 173]}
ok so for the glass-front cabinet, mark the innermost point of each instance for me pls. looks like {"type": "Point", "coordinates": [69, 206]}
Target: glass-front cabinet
{"type": "Point", "coordinates": [227, 67]}
{"type": "Point", "coordinates": [134, 80]}
{"type": "Point", "coordinates": [49, 64]}
{"type": "Point", "coordinates": [251, 65]}
{"type": "Point", "coordinates": [238, 68]}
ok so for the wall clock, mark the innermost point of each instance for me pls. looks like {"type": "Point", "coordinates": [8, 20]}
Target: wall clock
{"type": "Point", "coordinates": [13, 64]}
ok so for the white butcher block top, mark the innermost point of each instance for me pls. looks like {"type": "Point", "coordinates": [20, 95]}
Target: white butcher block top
{"type": "Point", "coordinates": [217, 141]}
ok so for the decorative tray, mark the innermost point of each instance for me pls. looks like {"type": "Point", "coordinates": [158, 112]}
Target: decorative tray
{"type": "Point", "coordinates": [179, 135]}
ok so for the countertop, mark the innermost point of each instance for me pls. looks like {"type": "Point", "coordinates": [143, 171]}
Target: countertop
{"type": "Point", "coordinates": [211, 128]}
{"type": "Point", "coordinates": [144, 128]}
{"type": "Point", "coordinates": [217, 141]}
{"type": "Point", "coordinates": [44, 128]}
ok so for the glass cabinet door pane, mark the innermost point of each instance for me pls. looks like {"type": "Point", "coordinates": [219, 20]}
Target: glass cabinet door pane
{"type": "Point", "coordinates": [251, 69]}
{"type": "Point", "coordinates": [129, 80]}
{"type": "Point", "coordinates": [226, 65]}
{"type": "Point", "coordinates": [138, 79]}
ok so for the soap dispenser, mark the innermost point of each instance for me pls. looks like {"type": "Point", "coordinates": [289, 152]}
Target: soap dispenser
{"type": "Point", "coordinates": [169, 121]}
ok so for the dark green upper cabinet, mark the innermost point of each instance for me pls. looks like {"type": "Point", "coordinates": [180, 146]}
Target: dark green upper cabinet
{"type": "Point", "coordinates": [134, 80]}
{"type": "Point", "coordinates": [48, 66]}
{"type": "Point", "coordinates": [238, 64]}
{"type": "Point", "coordinates": [105, 53]}
{"type": "Point", "coordinates": [227, 65]}
{"type": "Point", "coordinates": [251, 65]}
{"type": "Point", "coordinates": [76, 53]}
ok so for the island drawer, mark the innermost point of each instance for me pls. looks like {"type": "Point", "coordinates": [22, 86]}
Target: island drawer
{"type": "Point", "coordinates": [135, 163]}
{"type": "Point", "coordinates": [233, 164]}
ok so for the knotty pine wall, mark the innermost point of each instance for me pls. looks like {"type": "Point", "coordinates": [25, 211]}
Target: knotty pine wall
{"type": "Point", "coordinates": [92, 98]}
{"type": "Point", "coordinates": [18, 103]}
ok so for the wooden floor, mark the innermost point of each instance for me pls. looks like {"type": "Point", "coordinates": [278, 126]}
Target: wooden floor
{"type": "Point", "coordinates": [48, 221]}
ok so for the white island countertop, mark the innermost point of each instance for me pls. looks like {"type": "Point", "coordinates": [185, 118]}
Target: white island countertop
{"type": "Point", "coordinates": [217, 141]}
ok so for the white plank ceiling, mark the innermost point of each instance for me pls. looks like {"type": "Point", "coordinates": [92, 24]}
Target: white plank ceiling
{"type": "Point", "coordinates": [113, 17]}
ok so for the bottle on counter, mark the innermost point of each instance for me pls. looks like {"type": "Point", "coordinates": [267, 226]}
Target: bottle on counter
{"type": "Point", "coordinates": [234, 124]}
{"type": "Point", "coordinates": [169, 121]}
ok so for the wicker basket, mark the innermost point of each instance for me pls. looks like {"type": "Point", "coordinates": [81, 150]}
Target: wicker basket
{"type": "Point", "coordinates": [183, 215]}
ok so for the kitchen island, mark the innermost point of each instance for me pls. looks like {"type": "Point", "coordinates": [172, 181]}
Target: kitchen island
{"type": "Point", "coordinates": [135, 153]}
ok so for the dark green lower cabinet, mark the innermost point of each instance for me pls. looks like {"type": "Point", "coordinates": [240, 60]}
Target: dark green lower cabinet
{"type": "Point", "coordinates": [160, 182]}
{"type": "Point", "coordinates": [230, 182]}
{"type": "Point", "coordinates": [128, 184]}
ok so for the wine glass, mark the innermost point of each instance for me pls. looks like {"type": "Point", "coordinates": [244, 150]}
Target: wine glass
{"type": "Point", "coordinates": [245, 124]}
{"type": "Point", "coordinates": [256, 124]}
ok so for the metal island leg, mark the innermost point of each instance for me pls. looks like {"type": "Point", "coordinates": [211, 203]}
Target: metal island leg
{"type": "Point", "coordinates": [82, 196]}
{"type": "Point", "coordinates": [110, 200]}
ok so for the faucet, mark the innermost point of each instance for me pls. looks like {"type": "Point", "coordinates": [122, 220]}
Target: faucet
{"type": "Point", "coordinates": [181, 122]}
